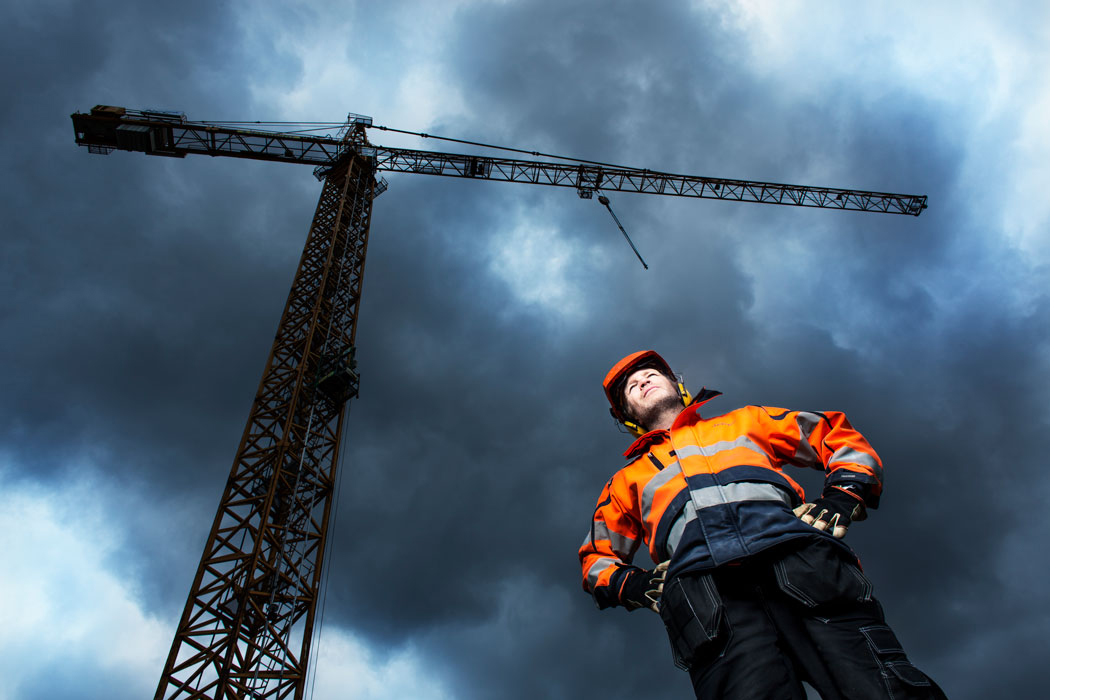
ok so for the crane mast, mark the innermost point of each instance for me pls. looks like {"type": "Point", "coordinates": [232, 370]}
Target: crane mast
{"type": "Point", "coordinates": [250, 615]}
{"type": "Point", "coordinates": [248, 623]}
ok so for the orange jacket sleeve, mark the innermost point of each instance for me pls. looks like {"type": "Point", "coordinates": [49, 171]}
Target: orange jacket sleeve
{"type": "Point", "coordinates": [609, 546]}
{"type": "Point", "coordinates": [825, 440]}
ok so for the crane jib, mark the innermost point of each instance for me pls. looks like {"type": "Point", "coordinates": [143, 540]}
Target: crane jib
{"type": "Point", "coordinates": [170, 134]}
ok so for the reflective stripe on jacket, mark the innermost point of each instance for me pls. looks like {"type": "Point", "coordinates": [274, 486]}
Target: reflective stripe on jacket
{"type": "Point", "coordinates": [712, 491]}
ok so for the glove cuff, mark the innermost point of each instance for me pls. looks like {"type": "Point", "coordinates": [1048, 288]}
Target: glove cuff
{"type": "Point", "coordinates": [854, 505]}
{"type": "Point", "coordinates": [632, 577]}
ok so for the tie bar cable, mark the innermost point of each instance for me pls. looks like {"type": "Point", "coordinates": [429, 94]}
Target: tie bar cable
{"type": "Point", "coordinates": [607, 203]}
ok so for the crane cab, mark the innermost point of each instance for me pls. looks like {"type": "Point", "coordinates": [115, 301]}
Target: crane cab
{"type": "Point", "coordinates": [337, 377]}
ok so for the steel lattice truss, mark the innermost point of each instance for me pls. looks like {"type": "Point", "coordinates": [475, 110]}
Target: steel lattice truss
{"type": "Point", "coordinates": [172, 135]}
{"type": "Point", "coordinates": [248, 622]}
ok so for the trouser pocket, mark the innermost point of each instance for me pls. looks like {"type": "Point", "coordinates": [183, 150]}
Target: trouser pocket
{"type": "Point", "coordinates": [903, 680]}
{"type": "Point", "coordinates": [819, 575]}
{"type": "Point", "coordinates": [692, 612]}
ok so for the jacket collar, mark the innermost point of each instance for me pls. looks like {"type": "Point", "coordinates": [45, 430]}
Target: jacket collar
{"type": "Point", "coordinates": [655, 436]}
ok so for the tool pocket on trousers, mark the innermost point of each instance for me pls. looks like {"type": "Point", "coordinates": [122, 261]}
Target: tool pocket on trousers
{"type": "Point", "coordinates": [818, 575]}
{"type": "Point", "coordinates": [692, 612]}
{"type": "Point", "coordinates": [903, 680]}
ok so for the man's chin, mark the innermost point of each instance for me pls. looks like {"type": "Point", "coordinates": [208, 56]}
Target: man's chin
{"type": "Point", "coordinates": [648, 415]}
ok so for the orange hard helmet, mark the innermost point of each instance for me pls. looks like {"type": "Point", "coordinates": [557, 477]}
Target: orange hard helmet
{"type": "Point", "coordinates": [613, 382]}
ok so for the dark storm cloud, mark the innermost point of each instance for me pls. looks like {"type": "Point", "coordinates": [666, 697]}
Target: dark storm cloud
{"type": "Point", "coordinates": [620, 84]}
{"type": "Point", "coordinates": [144, 294]}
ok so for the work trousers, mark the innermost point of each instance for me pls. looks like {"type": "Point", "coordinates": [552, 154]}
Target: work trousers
{"type": "Point", "coordinates": [804, 613]}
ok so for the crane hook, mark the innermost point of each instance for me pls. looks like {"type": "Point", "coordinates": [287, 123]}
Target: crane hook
{"type": "Point", "coordinates": [607, 203]}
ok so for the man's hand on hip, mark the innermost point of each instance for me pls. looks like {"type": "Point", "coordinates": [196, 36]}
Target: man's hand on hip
{"type": "Point", "coordinates": [833, 512]}
{"type": "Point", "coordinates": [643, 589]}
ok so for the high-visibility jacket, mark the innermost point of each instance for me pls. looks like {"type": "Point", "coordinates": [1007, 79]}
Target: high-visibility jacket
{"type": "Point", "coordinates": [711, 490]}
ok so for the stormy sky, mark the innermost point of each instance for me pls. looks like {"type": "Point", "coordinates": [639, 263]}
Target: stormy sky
{"type": "Point", "coordinates": [140, 297]}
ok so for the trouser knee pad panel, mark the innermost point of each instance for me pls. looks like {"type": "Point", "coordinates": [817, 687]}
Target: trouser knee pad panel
{"type": "Point", "coordinates": [903, 680]}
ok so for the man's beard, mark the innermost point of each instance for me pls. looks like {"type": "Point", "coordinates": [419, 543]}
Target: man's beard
{"type": "Point", "coordinates": [649, 415]}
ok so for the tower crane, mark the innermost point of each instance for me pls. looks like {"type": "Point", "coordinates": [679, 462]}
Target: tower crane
{"type": "Point", "coordinates": [250, 616]}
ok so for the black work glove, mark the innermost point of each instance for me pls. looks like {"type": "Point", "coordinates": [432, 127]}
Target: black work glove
{"type": "Point", "coordinates": [834, 511]}
{"type": "Point", "coordinates": [642, 589]}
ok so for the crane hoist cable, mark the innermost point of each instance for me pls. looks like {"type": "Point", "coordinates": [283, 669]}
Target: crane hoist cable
{"type": "Point", "coordinates": [332, 126]}
{"type": "Point", "coordinates": [370, 125]}
{"type": "Point", "coordinates": [603, 200]}
{"type": "Point", "coordinates": [607, 203]}
{"type": "Point", "coordinates": [501, 148]}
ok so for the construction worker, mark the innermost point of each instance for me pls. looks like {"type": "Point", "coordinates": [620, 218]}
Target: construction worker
{"type": "Point", "coordinates": [755, 587]}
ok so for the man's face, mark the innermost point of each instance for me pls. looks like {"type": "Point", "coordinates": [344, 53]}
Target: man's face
{"type": "Point", "coordinates": [647, 392]}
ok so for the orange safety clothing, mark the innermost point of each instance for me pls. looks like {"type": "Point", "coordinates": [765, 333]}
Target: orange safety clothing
{"type": "Point", "coordinates": [711, 490]}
